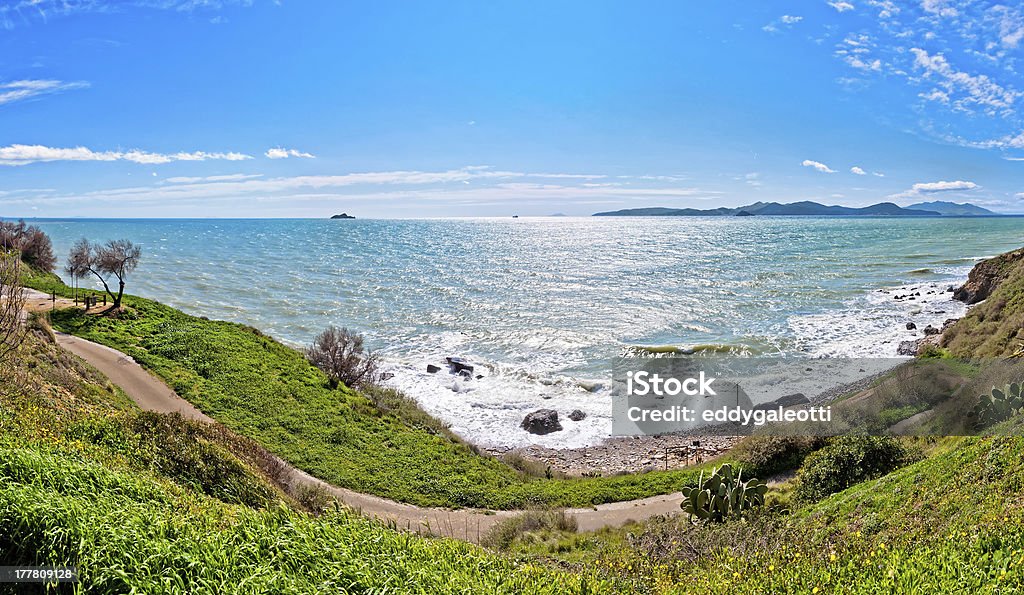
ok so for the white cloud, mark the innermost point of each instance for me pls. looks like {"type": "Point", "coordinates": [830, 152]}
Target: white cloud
{"type": "Point", "coordinates": [223, 178]}
{"type": "Point", "coordinates": [878, 174]}
{"type": "Point", "coordinates": [25, 154]}
{"type": "Point", "coordinates": [1011, 26]}
{"type": "Point", "coordinates": [786, 20]}
{"type": "Point", "coordinates": [858, 171]}
{"type": "Point", "coordinates": [818, 166]}
{"type": "Point", "coordinates": [1019, 196]}
{"type": "Point", "coordinates": [280, 153]}
{"type": "Point", "coordinates": [861, 64]}
{"type": "Point", "coordinates": [939, 7]}
{"type": "Point", "coordinates": [972, 89]}
{"type": "Point", "coordinates": [26, 89]}
{"type": "Point", "coordinates": [943, 186]}
{"type": "Point", "coordinates": [841, 6]}
{"type": "Point", "coordinates": [437, 186]}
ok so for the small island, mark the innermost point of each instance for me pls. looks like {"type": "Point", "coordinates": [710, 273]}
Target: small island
{"type": "Point", "coordinates": [342, 216]}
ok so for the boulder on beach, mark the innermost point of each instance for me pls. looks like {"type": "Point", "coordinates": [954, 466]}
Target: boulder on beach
{"type": "Point", "coordinates": [907, 348]}
{"type": "Point", "coordinates": [785, 401]}
{"type": "Point", "coordinates": [911, 326]}
{"type": "Point", "coordinates": [432, 369]}
{"type": "Point", "coordinates": [577, 415]}
{"type": "Point", "coordinates": [931, 330]}
{"type": "Point", "coordinates": [542, 421]}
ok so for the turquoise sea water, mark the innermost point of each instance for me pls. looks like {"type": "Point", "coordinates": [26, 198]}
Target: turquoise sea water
{"type": "Point", "coordinates": [541, 305]}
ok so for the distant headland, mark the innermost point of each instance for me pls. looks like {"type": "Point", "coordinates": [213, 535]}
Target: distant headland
{"type": "Point", "coordinates": [808, 208]}
{"type": "Point", "coordinates": [342, 216]}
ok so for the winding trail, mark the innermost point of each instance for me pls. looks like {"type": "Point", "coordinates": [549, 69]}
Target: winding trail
{"type": "Point", "coordinates": [151, 394]}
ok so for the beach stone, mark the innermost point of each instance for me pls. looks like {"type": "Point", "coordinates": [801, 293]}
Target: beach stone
{"type": "Point", "coordinates": [432, 369]}
{"type": "Point", "coordinates": [542, 421]}
{"type": "Point", "coordinates": [911, 326]}
{"type": "Point", "coordinates": [785, 401]}
{"type": "Point", "coordinates": [577, 415]}
{"type": "Point", "coordinates": [931, 330]}
{"type": "Point", "coordinates": [458, 364]}
{"type": "Point", "coordinates": [907, 348]}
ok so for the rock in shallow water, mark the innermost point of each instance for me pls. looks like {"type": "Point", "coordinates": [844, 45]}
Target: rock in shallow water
{"type": "Point", "coordinates": [577, 415]}
{"type": "Point", "coordinates": [542, 421]}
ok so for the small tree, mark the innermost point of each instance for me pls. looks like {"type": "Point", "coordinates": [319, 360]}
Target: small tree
{"type": "Point", "coordinates": [31, 242]}
{"type": "Point", "coordinates": [12, 304]}
{"type": "Point", "coordinates": [339, 352]}
{"type": "Point", "coordinates": [116, 257]}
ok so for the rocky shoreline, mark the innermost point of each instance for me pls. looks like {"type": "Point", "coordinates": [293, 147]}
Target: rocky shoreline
{"type": "Point", "coordinates": [626, 454]}
{"type": "Point", "coordinates": [639, 454]}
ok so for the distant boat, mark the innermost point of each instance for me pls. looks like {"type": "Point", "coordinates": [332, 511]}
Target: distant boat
{"type": "Point", "coordinates": [515, 216]}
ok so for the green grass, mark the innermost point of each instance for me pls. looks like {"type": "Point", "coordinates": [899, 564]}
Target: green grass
{"type": "Point", "coordinates": [128, 533]}
{"type": "Point", "coordinates": [381, 445]}
{"type": "Point", "coordinates": [152, 503]}
{"type": "Point", "coordinates": [995, 327]}
{"type": "Point", "coordinates": [949, 523]}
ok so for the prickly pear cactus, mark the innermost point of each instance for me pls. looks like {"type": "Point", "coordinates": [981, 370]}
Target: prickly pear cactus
{"type": "Point", "coordinates": [997, 406]}
{"type": "Point", "coordinates": [722, 496]}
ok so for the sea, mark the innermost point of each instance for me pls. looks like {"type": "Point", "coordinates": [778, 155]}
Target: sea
{"type": "Point", "coordinates": [542, 306]}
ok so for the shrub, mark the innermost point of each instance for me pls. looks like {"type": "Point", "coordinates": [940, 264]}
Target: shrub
{"type": "Point", "coordinates": [507, 532]}
{"type": "Point", "coordinates": [847, 461]}
{"type": "Point", "coordinates": [769, 455]}
{"type": "Point", "coordinates": [340, 354]}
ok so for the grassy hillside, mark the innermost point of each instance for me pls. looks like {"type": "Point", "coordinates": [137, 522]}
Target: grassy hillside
{"type": "Point", "coordinates": [951, 523]}
{"type": "Point", "coordinates": [152, 503]}
{"type": "Point", "coordinates": [995, 327]}
{"type": "Point", "coordinates": [269, 392]}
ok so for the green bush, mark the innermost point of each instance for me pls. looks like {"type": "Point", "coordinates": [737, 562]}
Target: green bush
{"type": "Point", "coordinates": [503, 535]}
{"type": "Point", "coordinates": [846, 461]}
{"type": "Point", "coordinates": [769, 455]}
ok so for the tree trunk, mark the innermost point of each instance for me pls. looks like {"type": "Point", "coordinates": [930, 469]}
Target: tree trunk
{"type": "Point", "coordinates": [120, 292]}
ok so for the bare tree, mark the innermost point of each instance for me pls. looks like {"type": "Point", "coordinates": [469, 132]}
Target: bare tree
{"type": "Point", "coordinates": [339, 352]}
{"type": "Point", "coordinates": [12, 304]}
{"type": "Point", "coordinates": [116, 257]}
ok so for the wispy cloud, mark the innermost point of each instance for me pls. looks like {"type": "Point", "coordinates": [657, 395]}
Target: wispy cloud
{"type": "Point", "coordinates": [962, 89]}
{"type": "Point", "coordinates": [819, 166]}
{"type": "Point", "coordinates": [23, 12]}
{"type": "Point", "coordinates": [488, 184]}
{"type": "Point", "coordinates": [280, 153]}
{"type": "Point", "coordinates": [858, 171]}
{"type": "Point", "coordinates": [841, 6]}
{"type": "Point", "coordinates": [786, 20]}
{"type": "Point", "coordinates": [222, 178]}
{"type": "Point", "coordinates": [25, 154]}
{"type": "Point", "coordinates": [27, 89]}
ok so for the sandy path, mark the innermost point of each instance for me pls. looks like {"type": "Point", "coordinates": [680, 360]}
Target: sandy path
{"type": "Point", "coordinates": [151, 394]}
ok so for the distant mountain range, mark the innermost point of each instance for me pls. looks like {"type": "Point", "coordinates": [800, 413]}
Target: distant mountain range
{"type": "Point", "coordinates": [808, 208]}
{"type": "Point", "coordinates": [951, 208]}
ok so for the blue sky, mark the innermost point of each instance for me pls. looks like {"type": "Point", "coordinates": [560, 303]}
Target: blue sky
{"type": "Point", "coordinates": [192, 108]}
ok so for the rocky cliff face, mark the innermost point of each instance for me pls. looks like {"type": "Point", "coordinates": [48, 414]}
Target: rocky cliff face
{"type": "Point", "coordinates": [986, 276]}
{"type": "Point", "coordinates": [995, 326]}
